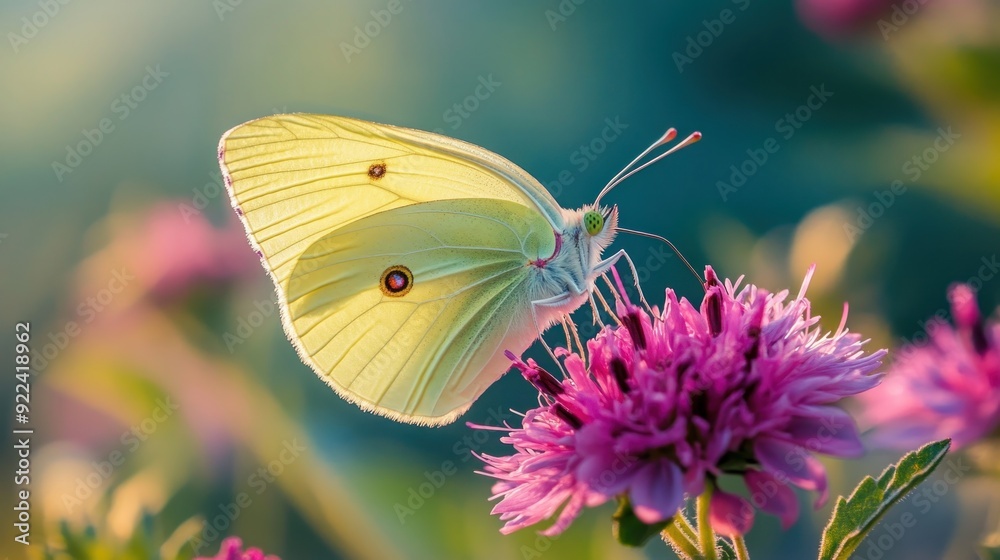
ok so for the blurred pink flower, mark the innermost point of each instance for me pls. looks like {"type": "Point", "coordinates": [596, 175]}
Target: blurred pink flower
{"type": "Point", "coordinates": [949, 388]}
{"type": "Point", "coordinates": [232, 549]}
{"type": "Point", "coordinates": [671, 402]}
{"type": "Point", "coordinates": [172, 251]}
{"type": "Point", "coordinates": [152, 255]}
{"type": "Point", "coordinates": [834, 18]}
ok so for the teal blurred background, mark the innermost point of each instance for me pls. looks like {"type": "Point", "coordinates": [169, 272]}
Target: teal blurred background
{"type": "Point", "coordinates": [163, 383]}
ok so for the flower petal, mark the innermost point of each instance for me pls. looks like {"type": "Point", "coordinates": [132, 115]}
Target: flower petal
{"type": "Point", "coordinates": [656, 492]}
{"type": "Point", "coordinates": [827, 429]}
{"type": "Point", "coordinates": [662, 405]}
{"type": "Point", "coordinates": [794, 463]}
{"type": "Point", "coordinates": [964, 307]}
{"type": "Point", "coordinates": [568, 514]}
{"type": "Point", "coordinates": [730, 514]}
{"type": "Point", "coordinates": [771, 495]}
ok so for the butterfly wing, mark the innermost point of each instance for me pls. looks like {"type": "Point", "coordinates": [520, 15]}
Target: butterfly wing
{"type": "Point", "coordinates": [330, 202]}
{"type": "Point", "coordinates": [424, 354]}
{"type": "Point", "coordinates": [294, 178]}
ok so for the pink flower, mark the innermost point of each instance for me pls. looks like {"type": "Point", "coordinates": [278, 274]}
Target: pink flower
{"type": "Point", "coordinates": [178, 250]}
{"type": "Point", "coordinates": [671, 402]}
{"type": "Point", "coordinates": [170, 252]}
{"type": "Point", "coordinates": [232, 549]}
{"type": "Point", "coordinates": [949, 388]}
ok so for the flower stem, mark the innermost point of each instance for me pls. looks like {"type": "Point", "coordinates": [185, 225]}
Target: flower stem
{"type": "Point", "coordinates": [682, 521]}
{"type": "Point", "coordinates": [704, 525]}
{"type": "Point", "coordinates": [741, 548]}
{"type": "Point", "coordinates": [683, 543]}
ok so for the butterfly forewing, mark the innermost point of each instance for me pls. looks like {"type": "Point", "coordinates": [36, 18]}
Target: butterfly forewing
{"type": "Point", "coordinates": [297, 177]}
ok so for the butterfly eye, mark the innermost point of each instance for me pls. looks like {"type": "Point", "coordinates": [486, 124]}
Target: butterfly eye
{"type": "Point", "coordinates": [594, 222]}
{"type": "Point", "coordinates": [396, 281]}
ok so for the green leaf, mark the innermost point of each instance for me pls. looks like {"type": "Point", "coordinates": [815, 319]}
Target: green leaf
{"type": "Point", "coordinates": [855, 516]}
{"type": "Point", "coordinates": [628, 529]}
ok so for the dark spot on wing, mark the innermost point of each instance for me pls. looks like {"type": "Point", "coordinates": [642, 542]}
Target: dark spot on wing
{"type": "Point", "coordinates": [376, 171]}
{"type": "Point", "coordinates": [396, 281]}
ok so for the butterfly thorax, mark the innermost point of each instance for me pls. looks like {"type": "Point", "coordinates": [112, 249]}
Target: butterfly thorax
{"type": "Point", "coordinates": [571, 267]}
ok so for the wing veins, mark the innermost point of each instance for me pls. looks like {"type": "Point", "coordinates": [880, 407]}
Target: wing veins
{"type": "Point", "coordinates": [442, 350]}
{"type": "Point", "coordinates": [422, 302]}
{"type": "Point", "coordinates": [271, 236]}
{"type": "Point", "coordinates": [414, 252]}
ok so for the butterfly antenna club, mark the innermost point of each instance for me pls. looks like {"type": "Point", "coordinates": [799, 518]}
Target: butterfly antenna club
{"type": "Point", "coordinates": [630, 169]}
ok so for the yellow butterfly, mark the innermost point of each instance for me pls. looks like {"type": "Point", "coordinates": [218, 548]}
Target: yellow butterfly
{"type": "Point", "coordinates": [406, 263]}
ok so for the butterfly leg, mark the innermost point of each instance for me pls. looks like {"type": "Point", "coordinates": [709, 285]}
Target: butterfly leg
{"type": "Point", "coordinates": [570, 327]}
{"type": "Point", "coordinates": [595, 311]}
{"type": "Point", "coordinates": [554, 301]}
{"type": "Point", "coordinates": [606, 265]}
{"type": "Point", "coordinates": [604, 302]}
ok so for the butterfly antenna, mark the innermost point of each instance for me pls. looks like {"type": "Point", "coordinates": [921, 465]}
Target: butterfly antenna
{"type": "Point", "coordinates": [668, 136]}
{"type": "Point", "coordinates": [630, 170]}
{"type": "Point", "coordinates": [672, 247]}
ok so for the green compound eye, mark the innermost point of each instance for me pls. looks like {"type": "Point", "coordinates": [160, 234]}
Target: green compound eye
{"type": "Point", "coordinates": [594, 222]}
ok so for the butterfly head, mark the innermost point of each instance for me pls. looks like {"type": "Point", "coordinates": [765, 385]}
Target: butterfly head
{"type": "Point", "coordinates": [599, 224]}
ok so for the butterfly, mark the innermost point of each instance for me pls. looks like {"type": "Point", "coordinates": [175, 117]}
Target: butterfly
{"type": "Point", "coordinates": [406, 263]}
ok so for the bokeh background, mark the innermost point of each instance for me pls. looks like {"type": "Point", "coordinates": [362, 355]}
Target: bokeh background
{"type": "Point", "coordinates": [163, 387]}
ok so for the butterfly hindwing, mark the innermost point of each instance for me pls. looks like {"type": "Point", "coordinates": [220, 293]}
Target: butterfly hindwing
{"type": "Point", "coordinates": [420, 356]}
